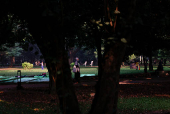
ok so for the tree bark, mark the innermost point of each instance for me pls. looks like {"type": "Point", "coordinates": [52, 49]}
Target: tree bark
{"type": "Point", "coordinates": [56, 59]}
{"type": "Point", "coordinates": [105, 101]}
{"type": "Point", "coordinates": [106, 97]}
{"type": "Point", "coordinates": [61, 80]}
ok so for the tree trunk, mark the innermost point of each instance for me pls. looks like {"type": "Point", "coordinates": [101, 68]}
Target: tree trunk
{"type": "Point", "coordinates": [99, 60]}
{"type": "Point", "coordinates": [61, 80]}
{"type": "Point", "coordinates": [150, 61]}
{"type": "Point", "coordinates": [145, 64]}
{"type": "Point", "coordinates": [56, 59]}
{"type": "Point", "coordinates": [105, 101]}
{"type": "Point", "coordinates": [106, 97]}
{"type": "Point", "coordinates": [12, 61]}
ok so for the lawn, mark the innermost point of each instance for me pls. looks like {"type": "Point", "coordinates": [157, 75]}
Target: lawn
{"type": "Point", "coordinates": [83, 70]}
{"type": "Point", "coordinates": [125, 106]}
{"type": "Point", "coordinates": [13, 72]}
{"type": "Point", "coordinates": [135, 105]}
{"type": "Point", "coordinates": [133, 98]}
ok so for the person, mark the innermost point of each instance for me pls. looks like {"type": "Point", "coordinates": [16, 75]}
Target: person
{"type": "Point", "coordinates": [137, 64]}
{"type": "Point", "coordinates": [160, 67]}
{"type": "Point", "coordinates": [42, 66]}
{"type": "Point", "coordinates": [77, 72]}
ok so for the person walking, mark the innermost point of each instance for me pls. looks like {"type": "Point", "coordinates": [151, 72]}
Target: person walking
{"type": "Point", "coordinates": [77, 72]}
{"type": "Point", "coordinates": [42, 66]}
{"type": "Point", "coordinates": [137, 65]}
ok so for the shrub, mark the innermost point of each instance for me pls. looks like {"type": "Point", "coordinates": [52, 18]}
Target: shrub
{"type": "Point", "coordinates": [27, 65]}
{"type": "Point", "coordinates": [72, 64]}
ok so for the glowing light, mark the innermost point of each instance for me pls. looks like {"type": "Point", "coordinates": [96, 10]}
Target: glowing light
{"type": "Point", "coordinates": [37, 109]}
{"type": "Point", "coordinates": [123, 40]}
{"type": "Point", "coordinates": [92, 94]}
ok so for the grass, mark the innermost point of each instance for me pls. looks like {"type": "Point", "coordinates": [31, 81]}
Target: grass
{"type": "Point", "coordinates": [26, 108]}
{"type": "Point", "coordinates": [23, 72]}
{"type": "Point", "coordinates": [131, 105]}
{"type": "Point", "coordinates": [83, 70]}
{"type": "Point", "coordinates": [143, 104]}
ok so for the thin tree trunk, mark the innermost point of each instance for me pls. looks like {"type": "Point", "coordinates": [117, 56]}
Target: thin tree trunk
{"type": "Point", "coordinates": [12, 61]}
{"type": "Point", "coordinates": [150, 61]}
{"type": "Point", "coordinates": [145, 64]}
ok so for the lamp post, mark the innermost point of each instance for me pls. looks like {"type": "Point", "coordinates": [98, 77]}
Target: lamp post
{"type": "Point", "coordinates": [19, 83]}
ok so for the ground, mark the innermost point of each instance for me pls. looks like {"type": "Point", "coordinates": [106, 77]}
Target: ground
{"type": "Point", "coordinates": [136, 85]}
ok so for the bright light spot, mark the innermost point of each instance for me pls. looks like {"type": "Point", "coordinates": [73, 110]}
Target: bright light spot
{"type": "Point", "coordinates": [123, 40]}
{"type": "Point", "coordinates": [92, 94]}
{"type": "Point", "coordinates": [97, 22]}
{"type": "Point", "coordinates": [107, 23]}
{"type": "Point", "coordinates": [100, 24]}
{"type": "Point", "coordinates": [1, 91]}
{"type": "Point", "coordinates": [37, 109]}
{"type": "Point", "coordinates": [117, 12]}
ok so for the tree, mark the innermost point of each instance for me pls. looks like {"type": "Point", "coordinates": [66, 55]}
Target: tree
{"type": "Point", "coordinates": [151, 27]}
{"type": "Point", "coordinates": [13, 52]}
{"type": "Point", "coordinates": [119, 33]}
{"type": "Point", "coordinates": [50, 22]}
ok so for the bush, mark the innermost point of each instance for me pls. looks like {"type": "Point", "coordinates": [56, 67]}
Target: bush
{"type": "Point", "coordinates": [27, 65]}
{"type": "Point", "coordinates": [72, 64]}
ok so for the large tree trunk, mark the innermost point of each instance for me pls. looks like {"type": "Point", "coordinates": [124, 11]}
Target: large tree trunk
{"type": "Point", "coordinates": [106, 97]}
{"type": "Point", "coordinates": [61, 80]}
{"type": "Point", "coordinates": [57, 63]}
{"type": "Point", "coordinates": [105, 101]}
